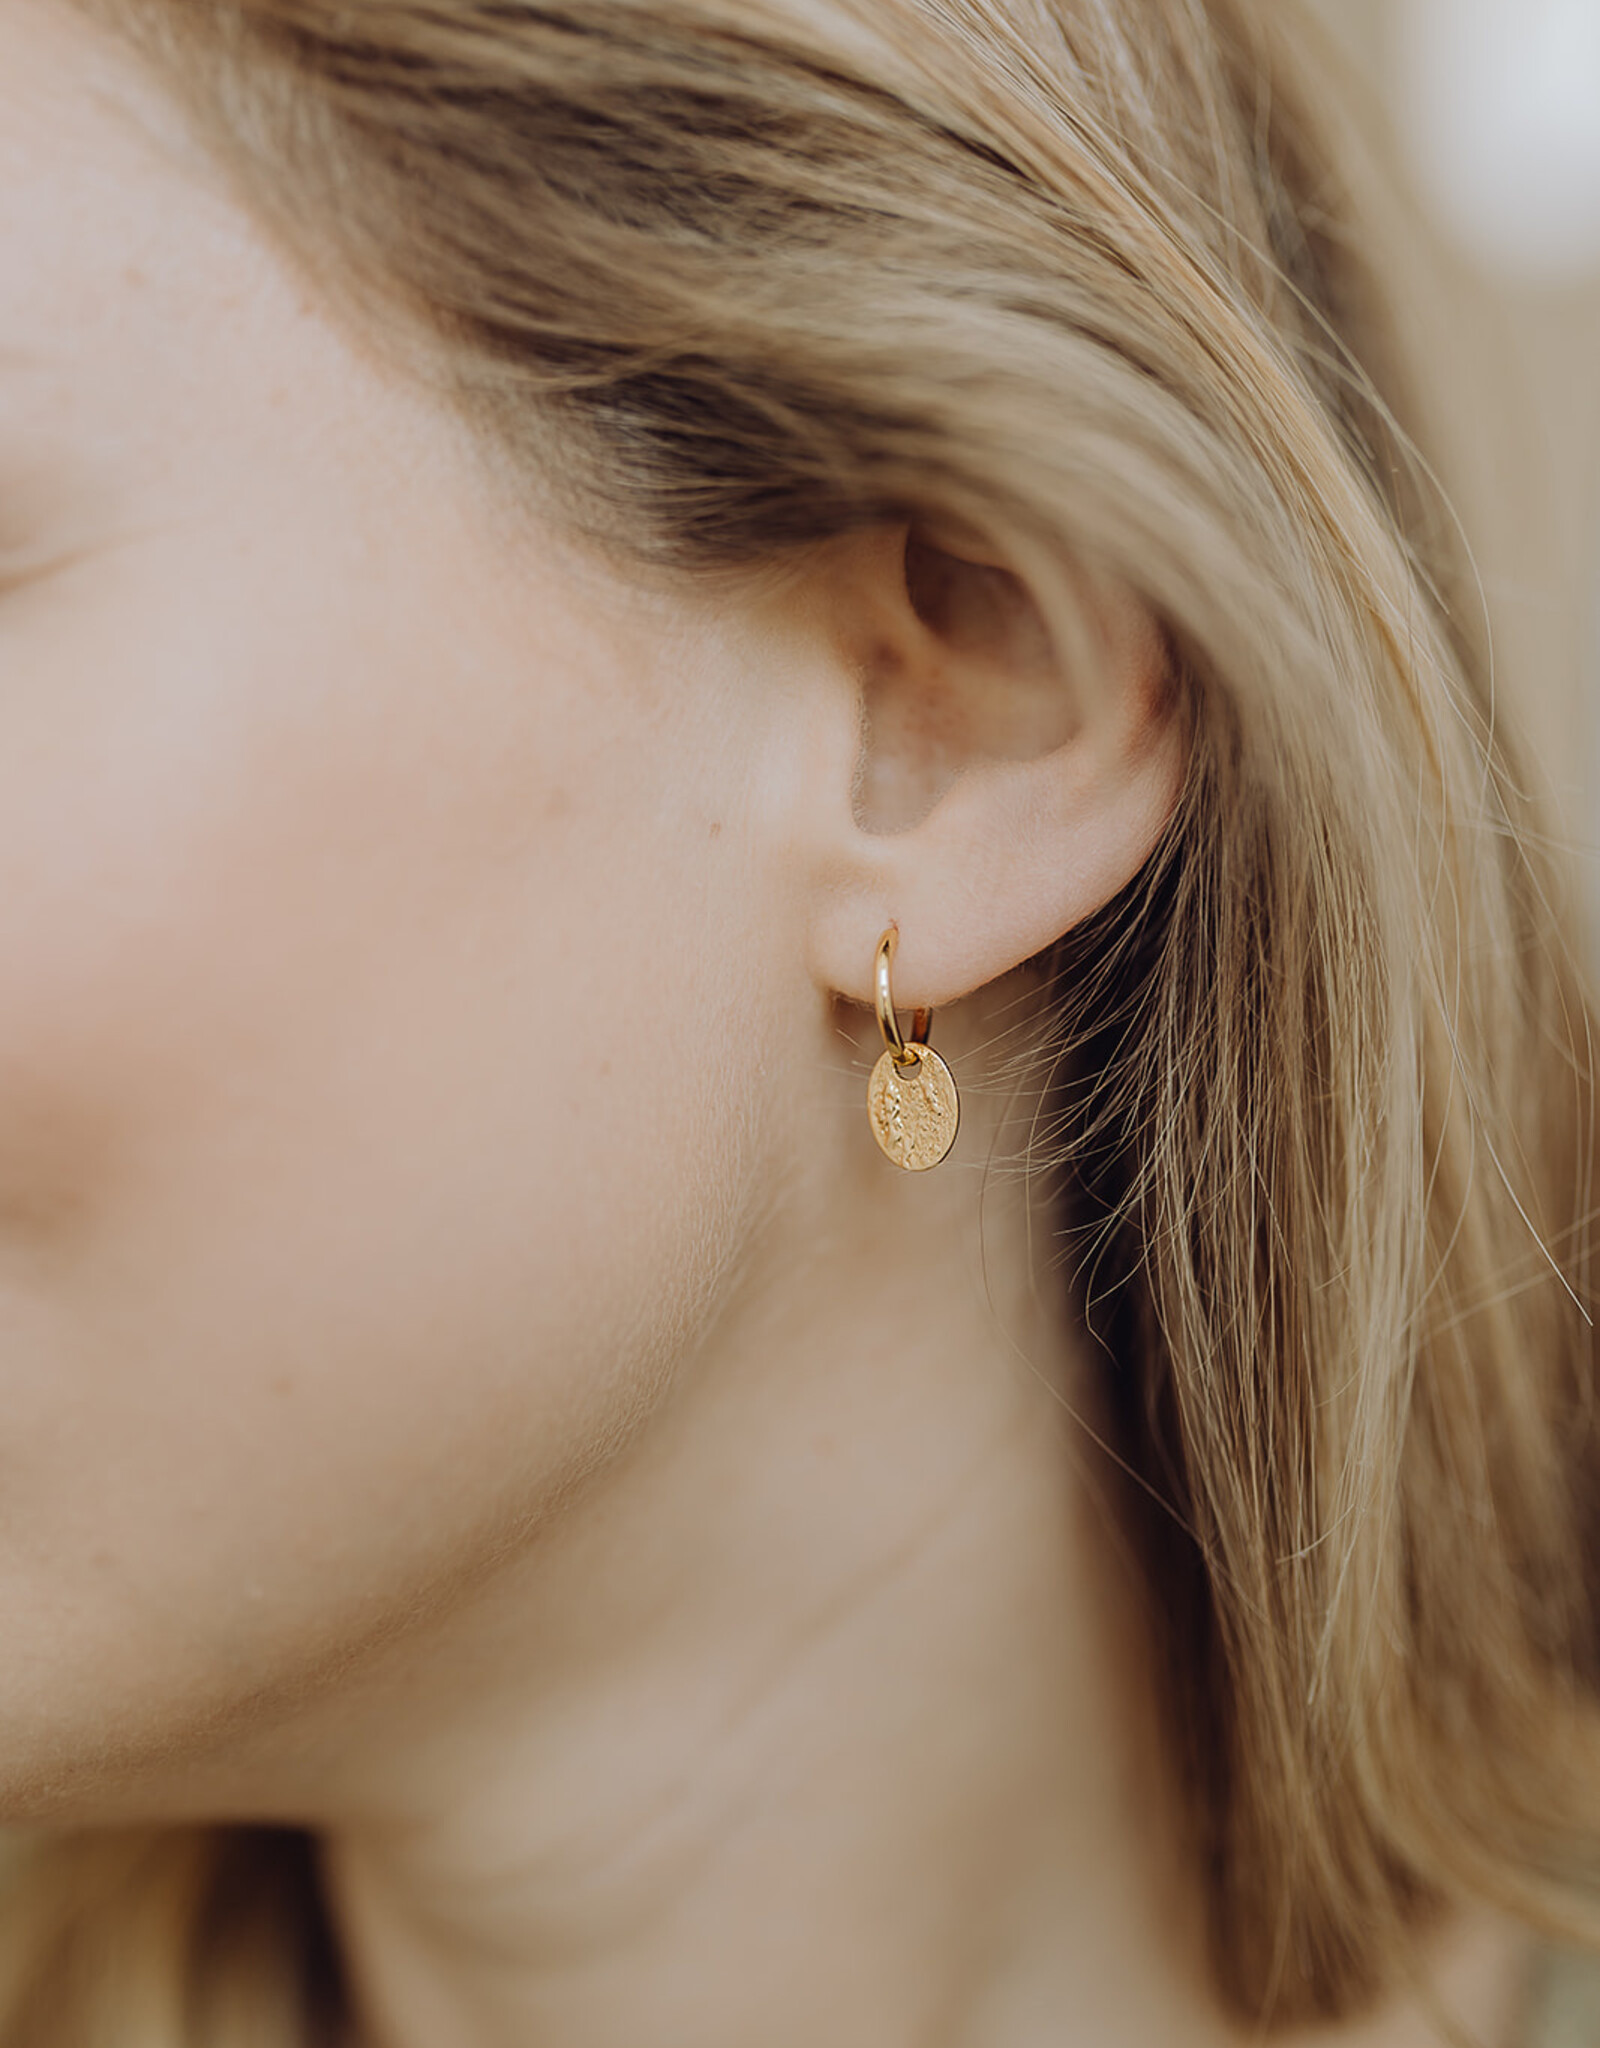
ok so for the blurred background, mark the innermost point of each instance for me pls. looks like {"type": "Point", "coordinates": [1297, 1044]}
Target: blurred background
{"type": "Point", "coordinates": [1490, 111]}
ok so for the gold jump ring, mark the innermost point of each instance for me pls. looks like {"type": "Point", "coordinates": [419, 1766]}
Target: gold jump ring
{"type": "Point", "coordinates": [922, 1020]}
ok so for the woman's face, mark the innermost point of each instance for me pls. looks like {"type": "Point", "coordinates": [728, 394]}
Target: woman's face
{"type": "Point", "coordinates": [382, 944]}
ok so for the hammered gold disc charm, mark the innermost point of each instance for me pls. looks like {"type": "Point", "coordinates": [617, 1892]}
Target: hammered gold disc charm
{"type": "Point", "coordinates": [913, 1108]}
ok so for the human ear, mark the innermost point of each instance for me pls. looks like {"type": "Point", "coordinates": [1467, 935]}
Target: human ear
{"type": "Point", "coordinates": [986, 782]}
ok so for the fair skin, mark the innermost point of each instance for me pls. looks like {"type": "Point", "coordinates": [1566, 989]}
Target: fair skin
{"type": "Point", "coordinates": [472, 1386]}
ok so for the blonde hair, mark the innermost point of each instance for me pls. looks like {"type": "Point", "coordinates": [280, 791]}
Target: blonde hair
{"type": "Point", "coordinates": [733, 275]}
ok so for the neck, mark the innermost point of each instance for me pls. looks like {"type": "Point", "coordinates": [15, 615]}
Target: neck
{"type": "Point", "coordinates": [814, 1721]}
{"type": "Point", "coordinates": [821, 1717]}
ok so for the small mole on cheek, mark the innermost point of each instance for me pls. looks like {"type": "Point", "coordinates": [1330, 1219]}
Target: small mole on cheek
{"type": "Point", "coordinates": [716, 828]}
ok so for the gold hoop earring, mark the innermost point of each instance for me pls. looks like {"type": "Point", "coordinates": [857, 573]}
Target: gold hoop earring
{"type": "Point", "coordinates": [912, 1102]}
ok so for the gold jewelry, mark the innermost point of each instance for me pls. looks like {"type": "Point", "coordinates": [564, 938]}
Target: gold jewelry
{"type": "Point", "coordinates": [911, 1099]}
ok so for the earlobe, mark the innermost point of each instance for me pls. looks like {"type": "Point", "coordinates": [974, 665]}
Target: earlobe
{"type": "Point", "coordinates": [1000, 800]}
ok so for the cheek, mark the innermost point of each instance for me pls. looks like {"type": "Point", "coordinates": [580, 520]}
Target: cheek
{"type": "Point", "coordinates": [367, 1153]}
